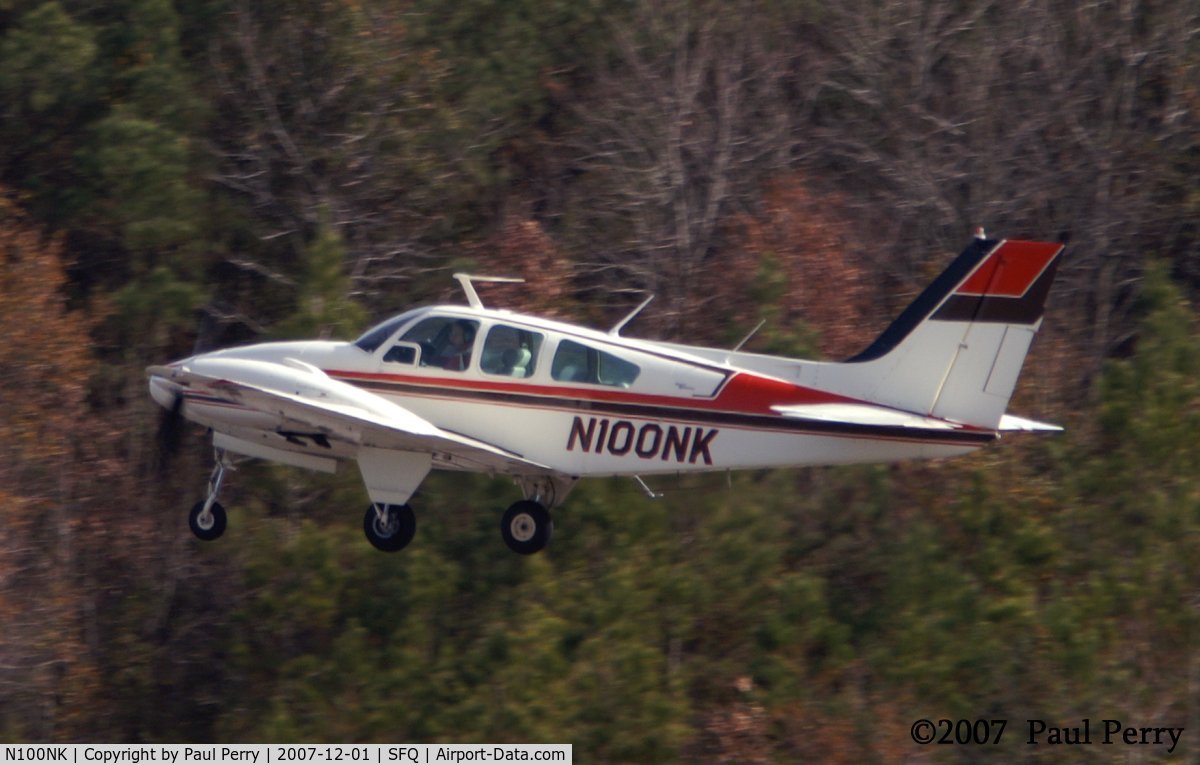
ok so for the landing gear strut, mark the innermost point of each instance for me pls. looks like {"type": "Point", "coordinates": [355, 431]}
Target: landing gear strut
{"type": "Point", "coordinates": [207, 519]}
{"type": "Point", "coordinates": [389, 527]}
{"type": "Point", "coordinates": [526, 527]}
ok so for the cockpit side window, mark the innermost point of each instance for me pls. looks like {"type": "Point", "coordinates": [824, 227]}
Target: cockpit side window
{"type": "Point", "coordinates": [574, 362]}
{"type": "Point", "coordinates": [446, 342]}
{"type": "Point", "coordinates": [377, 336]}
{"type": "Point", "coordinates": [510, 351]}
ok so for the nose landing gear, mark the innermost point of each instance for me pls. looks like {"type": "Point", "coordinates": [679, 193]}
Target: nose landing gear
{"type": "Point", "coordinates": [209, 522]}
{"type": "Point", "coordinates": [207, 519]}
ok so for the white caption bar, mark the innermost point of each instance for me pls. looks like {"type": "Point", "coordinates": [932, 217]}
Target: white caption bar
{"type": "Point", "coordinates": [283, 754]}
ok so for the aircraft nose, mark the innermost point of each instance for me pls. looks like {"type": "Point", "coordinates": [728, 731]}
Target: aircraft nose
{"type": "Point", "coordinates": [163, 392]}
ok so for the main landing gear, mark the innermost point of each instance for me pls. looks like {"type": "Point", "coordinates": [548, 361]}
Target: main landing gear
{"type": "Point", "coordinates": [389, 527]}
{"type": "Point", "coordinates": [526, 526]}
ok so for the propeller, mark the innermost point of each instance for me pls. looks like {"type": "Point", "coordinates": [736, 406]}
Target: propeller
{"type": "Point", "coordinates": [170, 434]}
{"type": "Point", "coordinates": [171, 423]}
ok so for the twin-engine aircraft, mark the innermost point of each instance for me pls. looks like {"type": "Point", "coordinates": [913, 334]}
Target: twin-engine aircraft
{"type": "Point", "coordinates": [482, 390]}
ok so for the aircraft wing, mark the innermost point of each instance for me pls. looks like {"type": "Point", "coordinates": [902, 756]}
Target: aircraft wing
{"type": "Point", "coordinates": [309, 402]}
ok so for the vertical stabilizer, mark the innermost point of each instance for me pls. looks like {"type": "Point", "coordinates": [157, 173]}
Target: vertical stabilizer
{"type": "Point", "coordinates": [956, 351]}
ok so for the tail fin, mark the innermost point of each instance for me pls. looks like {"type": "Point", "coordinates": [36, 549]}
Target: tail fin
{"type": "Point", "coordinates": [956, 352]}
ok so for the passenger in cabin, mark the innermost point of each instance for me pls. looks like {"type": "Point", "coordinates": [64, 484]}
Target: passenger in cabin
{"type": "Point", "coordinates": [507, 352]}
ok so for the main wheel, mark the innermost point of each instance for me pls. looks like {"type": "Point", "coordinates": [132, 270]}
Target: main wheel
{"type": "Point", "coordinates": [208, 526]}
{"type": "Point", "coordinates": [394, 530]}
{"type": "Point", "coordinates": [526, 527]}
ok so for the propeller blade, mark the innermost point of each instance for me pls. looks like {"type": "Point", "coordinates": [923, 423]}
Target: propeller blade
{"type": "Point", "coordinates": [170, 434]}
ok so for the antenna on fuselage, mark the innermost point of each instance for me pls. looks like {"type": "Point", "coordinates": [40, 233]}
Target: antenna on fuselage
{"type": "Point", "coordinates": [630, 317]}
{"type": "Point", "coordinates": [468, 284]}
{"type": "Point", "coordinates": [746, 339]}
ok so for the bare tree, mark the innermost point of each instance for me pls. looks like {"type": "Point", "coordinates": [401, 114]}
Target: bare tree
{"type": "Point", "coordinates": [683, 119]}
{"type": "Point", "coordinates": [328, 116]}
{"type": "Point", "coordinates": [1034, 119]}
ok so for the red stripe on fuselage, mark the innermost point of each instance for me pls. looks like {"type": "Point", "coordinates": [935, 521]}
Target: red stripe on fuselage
{"type": "Point", "coordinates": [742, 393]}
{"type": "Point", "coordinates": [752, 395]}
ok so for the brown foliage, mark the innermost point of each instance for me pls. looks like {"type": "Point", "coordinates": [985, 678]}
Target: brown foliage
{"type": "Point", "coordinates": [812, 248]}
{"type": "Point", "coordinates": [738, 731]}
{"type": "Point", "coordinates": [43, 350]}
{"type": "Point", "coordinates": [521, 248]}
{"type": "Point", "coordinates": [858, 727]}
{"type": "Point", "coordinates": [45, 467]}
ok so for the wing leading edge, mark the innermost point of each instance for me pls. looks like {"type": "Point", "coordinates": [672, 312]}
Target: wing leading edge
{"type": "Point", "coordinates": [304, 398]}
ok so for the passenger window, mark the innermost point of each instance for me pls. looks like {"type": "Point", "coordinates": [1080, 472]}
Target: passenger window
{"type": "Point", "coordinates": [574, 362]}
{"type": "Point", "coordinates": [510, 352]}
{"type": "Point", "coordinates": [445, 342]}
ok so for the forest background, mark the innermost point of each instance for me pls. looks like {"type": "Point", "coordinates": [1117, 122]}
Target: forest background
{"type": "Point", "coordinates": [178, 176]}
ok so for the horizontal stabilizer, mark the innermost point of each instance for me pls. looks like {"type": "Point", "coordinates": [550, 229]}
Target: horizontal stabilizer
{"type": "Point", "coordinates": [864, 414]}
{"type": "Point", "coordinates": [1010, 422]}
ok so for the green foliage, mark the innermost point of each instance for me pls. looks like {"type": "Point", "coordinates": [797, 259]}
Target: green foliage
{"type": "Point", "coordinates": [159, 295]}
{"type": "Point", "coordinates": [282, 167]}
{"type": "Point", "coordinates": [1133, 490]}
{"type": "Point", "coordinates": [48, 84]}
{"type": "Point", "coordinates": [47, 65]}
{"type": "Point", "coordinates": [777, 337]}
{"type": "Point", "coordinates": [324, 307]}
{"type": "Point", "coordinates": [503, 55]}
{"type": "Point", "coordinates": [140, 171]}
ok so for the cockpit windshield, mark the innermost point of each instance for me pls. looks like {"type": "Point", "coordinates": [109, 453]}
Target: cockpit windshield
{"type": "Point", "coordinates": [379, 334]}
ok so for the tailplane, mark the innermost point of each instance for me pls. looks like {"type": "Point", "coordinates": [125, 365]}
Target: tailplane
{"type": "Point", "coordinates": [956, 351]}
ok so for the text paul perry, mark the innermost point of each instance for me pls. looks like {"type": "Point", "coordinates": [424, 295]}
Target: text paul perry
{"type": "Point", "coordinates": [1106, 732]}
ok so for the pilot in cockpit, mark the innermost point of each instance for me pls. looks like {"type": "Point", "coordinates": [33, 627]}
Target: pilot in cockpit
{"type": "Point", "coordinates": [455, 353]}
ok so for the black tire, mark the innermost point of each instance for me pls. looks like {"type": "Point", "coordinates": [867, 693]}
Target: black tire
{"type": "Point", "coordinates": [526, 527]}
{"type": "Point", "coordinates": [213, 527]}
{"type": "Point", "coordinates": [397, 530]}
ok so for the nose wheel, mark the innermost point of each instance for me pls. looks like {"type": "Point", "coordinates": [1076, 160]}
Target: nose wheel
{"type": "Point", "coordinates": [526, 527]}
{"type": "Point", "coordinates": [207, 519]}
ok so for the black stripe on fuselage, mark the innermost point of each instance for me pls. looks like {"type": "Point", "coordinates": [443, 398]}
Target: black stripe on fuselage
{"type": "Point", "coordinates": [681, 414]}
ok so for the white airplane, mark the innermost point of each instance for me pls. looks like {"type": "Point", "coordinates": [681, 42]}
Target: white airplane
{"type": "Point", "coordinates": [476, 389]}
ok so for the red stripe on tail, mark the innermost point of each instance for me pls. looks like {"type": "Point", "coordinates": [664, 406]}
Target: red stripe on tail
{"type": "Point", "coordinates": [1011, 270]}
